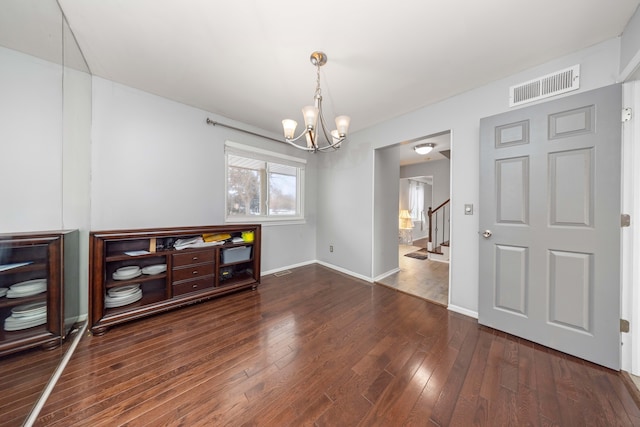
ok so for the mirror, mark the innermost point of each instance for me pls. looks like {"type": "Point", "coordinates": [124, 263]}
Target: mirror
{"type": "Point", "coordinates": [45, 126]}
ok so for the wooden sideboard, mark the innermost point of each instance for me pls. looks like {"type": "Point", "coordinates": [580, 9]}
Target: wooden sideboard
{"type": "Point", "coordinates": [190, 274]}
{"type": "Point", "coordinates": [36, 270]}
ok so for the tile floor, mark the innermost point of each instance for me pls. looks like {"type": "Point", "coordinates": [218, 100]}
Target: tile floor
{"type": "Point", "coordinates": [423, 278]}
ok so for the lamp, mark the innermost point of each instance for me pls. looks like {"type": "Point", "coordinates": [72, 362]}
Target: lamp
{"type": "Point", "coordinates": [423, 149]}
{"type": "Point", "coordinates": [314, 120]}
{"type": "Point", "coordinates": [405, 225]}
{"type": "Point", "coordinates": [405, 221]}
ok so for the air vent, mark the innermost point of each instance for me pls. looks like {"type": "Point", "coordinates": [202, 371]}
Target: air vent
{"type": "Point", "coordinates": [545, 86]}
{"type": "Point", "coordinates": [282, 273]}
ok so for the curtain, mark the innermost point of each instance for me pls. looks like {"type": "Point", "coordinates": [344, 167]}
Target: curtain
{"type": "Point", "coordinates": [416, 199]}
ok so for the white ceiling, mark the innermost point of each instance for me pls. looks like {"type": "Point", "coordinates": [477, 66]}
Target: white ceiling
{"type": "Point", "coordinates": [249, 60]}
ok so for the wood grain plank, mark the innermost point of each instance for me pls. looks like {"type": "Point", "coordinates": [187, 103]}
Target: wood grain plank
{"type": "Point", "coordinates": [317, 347]}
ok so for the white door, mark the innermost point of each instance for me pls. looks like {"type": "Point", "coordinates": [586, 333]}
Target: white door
{"type": "Point", "coordinates": [550, 224]}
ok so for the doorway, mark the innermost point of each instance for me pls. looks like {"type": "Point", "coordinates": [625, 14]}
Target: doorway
{"type": "Point", "coordinates": [424, 181]}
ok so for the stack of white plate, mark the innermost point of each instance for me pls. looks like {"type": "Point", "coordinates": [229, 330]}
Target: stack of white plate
{"type": "Point", "coordinates": [154, 269]}
{"type": "Point", "coordinates": [26, 316]}
{"type": "Point", "coordinates": [27, 288]}
{"type": "Point", "coordinates": [127, 273]}
{"type": "Point", "coordinates": [122, 295]}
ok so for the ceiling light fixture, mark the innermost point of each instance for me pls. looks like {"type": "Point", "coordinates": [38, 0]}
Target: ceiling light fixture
{"type": "Point", "coordinates": [423, 149]}
{"type": "Point", "coordinates": [314, 120]}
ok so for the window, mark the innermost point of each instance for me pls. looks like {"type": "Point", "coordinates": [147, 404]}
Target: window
{"type": "Point", "coordinates": [416, 199]}
{"type": "Point", "coordinates": [262, 186]}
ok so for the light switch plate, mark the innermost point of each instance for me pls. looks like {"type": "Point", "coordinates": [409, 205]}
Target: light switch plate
{"type": "Point", "coordinates": [468, 209]}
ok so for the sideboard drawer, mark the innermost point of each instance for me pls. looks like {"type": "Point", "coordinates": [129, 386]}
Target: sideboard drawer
{"type": "Point", "coordinates": [192, 272]}
{"type": "Point", "coordinates": [193, 285]}
{"type": "Point", "coordinates": [194, 257]}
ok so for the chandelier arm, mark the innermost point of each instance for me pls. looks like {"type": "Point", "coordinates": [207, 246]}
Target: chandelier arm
{"type": "Point", "coordinates": [303, 133]}
{"type": "Point", "coordinates": [299, 147]}
{"type": "Point", "coordinates": [312, 137]}
{"type": "Point", "coordinates": [334, 146]}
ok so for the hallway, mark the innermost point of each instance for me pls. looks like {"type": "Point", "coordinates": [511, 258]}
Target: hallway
{"type": "Point", "coordinates": [425, 279]}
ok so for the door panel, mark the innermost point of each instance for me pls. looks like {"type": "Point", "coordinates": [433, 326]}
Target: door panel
{"type": "Point", "coordinates": [570, 279]}
{"type": "Point", "coordinates": [571, 187]}
{"type": "Point", "coordinates": [550, 195]}
{"type": "Point", "coordinates": [511, 278]}
{"type": "Point", "coordinates": [513, 190]}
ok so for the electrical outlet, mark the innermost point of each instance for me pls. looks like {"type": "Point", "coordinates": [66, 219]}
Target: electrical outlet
{"type": "Point", "coordinates": [330, 248]}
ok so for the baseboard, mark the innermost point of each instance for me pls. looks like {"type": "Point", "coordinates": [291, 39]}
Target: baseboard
{"type": "Point", "coordinates": [387, 274]}
{"type": "Point", "coordinates": [345, 271]}
{"type": "Point", "coordinates": [325, 264]}
{"type": "Point", "coordinates": [464, 311]}
{"type": "Point", "coordinates": [287, 267]}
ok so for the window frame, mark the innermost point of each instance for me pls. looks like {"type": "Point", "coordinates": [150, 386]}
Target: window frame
{"type": "Point", "coordinates": [269, 157]}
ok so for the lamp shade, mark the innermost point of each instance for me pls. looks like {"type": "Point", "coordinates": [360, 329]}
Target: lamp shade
{"type": "Point", "coordinates": [405, 221]}
{"type": "Point", "coordinates": [342, 124]}
{"type": "Point", "coordinates": [289, 127]}
{"type": "Point", "coordinates": [424, 148]}
{"type": "Point", "coordinates": [310, 114]}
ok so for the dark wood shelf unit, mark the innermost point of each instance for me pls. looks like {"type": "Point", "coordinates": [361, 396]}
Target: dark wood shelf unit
{"type": "Point", "coordinates": [109, 283]}
{"type": "Point", "coordinates": [54, 256]}
{"type": "Point", "coordinates": [193, 274]}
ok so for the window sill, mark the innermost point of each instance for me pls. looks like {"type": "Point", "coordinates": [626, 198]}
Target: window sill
{"type": "Point", "coordinates": [267, 222]}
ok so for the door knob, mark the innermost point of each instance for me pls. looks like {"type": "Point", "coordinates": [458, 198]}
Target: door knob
{"type": "Point", "coordinates": [486, 234]}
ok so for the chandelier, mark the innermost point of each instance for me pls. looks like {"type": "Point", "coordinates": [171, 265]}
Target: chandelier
{"type": "Point", "coordinates": [314, 120]}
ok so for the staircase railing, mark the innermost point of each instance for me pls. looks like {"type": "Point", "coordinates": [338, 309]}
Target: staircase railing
{"type": "Point", "coordinates": [439, 226]}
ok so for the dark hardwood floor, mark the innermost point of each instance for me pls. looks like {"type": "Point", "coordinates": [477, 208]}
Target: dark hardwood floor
{"type": "Point", "coordinates": [23, 377]}
{"type": "Point", "coordinates": [316, 347]}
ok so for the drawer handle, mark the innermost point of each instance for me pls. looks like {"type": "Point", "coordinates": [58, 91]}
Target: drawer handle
{"type": "Point", "coordinates": [195, 258]}
{"type": "Point", "coordinates": [195, 286]}
{"type": "Point", "coordinates": [195, 271]}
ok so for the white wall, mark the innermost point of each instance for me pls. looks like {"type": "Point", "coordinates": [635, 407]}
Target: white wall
{"type": "Point", "coordinates": [343, 176]}
{"type": "Point", "coordinates": [30, 143]}
{"type": "Point", "coordinates": [156, 163]}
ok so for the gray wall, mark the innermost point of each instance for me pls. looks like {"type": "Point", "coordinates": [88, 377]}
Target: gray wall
{"type": "Point", "coordinates": [439, 170]}
{"type": "Point", "coordinates": [345, 176]}
{"type": "Point", "coordinates": [385, 223]}
{"type": "Point", "coordinates": [156, 163]}
{"type": "Point", "coordinates": [31, 148]}
{"type": "Point", "coordinates": [630, 45]}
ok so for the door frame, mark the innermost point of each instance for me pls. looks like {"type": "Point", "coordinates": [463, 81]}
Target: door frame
{"type": "Point", "coordinates": [630, 292]}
